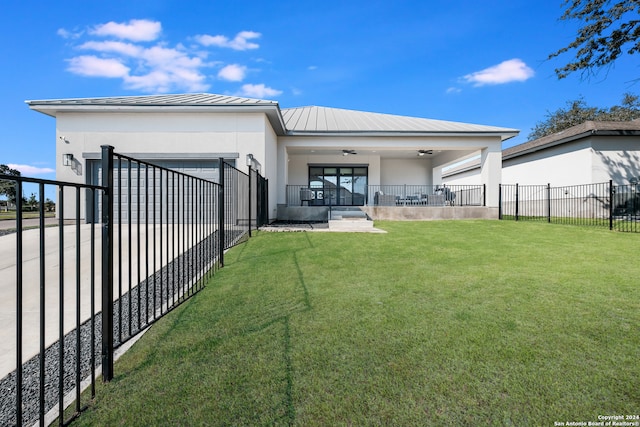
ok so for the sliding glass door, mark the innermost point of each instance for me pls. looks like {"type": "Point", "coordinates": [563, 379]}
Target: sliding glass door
{"type": "Point", "coordinates": [338, 185]}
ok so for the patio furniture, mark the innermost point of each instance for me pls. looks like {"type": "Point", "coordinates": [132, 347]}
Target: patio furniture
{"type": "Point", "coordinates": [380, 199]}
{"type": "Point", "coordinates": [306, 195]}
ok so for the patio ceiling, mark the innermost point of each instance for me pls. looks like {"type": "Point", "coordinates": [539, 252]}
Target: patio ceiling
{"type": "Point", "coordinates": [396, 153]}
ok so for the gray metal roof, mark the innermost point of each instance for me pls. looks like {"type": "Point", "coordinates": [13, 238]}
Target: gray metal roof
{"type": "Point", "coordinates": [181, 102]}
{"type": "Point", "coordinates": [291, 121]}
{"type": "Point", "coordinates": [194, 99]}
{"type": "Point", "coordinates": [310, 120]}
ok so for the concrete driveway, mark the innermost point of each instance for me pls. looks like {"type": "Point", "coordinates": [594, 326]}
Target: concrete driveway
{"type": "Point", "coordinates": [31, 292]}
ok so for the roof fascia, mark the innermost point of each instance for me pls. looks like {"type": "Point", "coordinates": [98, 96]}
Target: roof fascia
{"type": "Point", "coordinates": [503, 135]}
{"type": "Point", "coordinates": [271, 111]}
{"type": "Point", "coordinates": [550, 144]}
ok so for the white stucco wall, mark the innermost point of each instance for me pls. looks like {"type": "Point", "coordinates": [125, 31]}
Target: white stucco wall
{"type": "Point", "coordinates": [270, 166]}
{"type": "Point", "coordinates": [616, 158]}
{"type": "Point", "coordinates": [470, 177]}
{"type": "Point", "coordinates": [406, 171]}
{"type": "Point", "coordinates": [567, 164]}
{"type": "Point", "coordinates": [169, 134]}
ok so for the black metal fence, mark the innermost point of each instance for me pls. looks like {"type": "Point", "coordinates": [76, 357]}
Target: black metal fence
{"type": "Point", "coordinates": [602, 205]}
{"type": "Point", "coordinates": [125, 251]}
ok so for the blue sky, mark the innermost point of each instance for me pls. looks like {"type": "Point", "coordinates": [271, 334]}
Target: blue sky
{"type": "Point", "coordinates": [468, 61]}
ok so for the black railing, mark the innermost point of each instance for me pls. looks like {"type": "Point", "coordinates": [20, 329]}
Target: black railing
{"type": "Point", "coordinates": [83, 292]}
{"type": "Point", "coordinates": [600, 205]}
{"type": "Point", "coordinates": [391, 195]}
{"type": "Point", "coordinates": [388, 195]}
{"type": "Point", "coordinates": [54, 277]}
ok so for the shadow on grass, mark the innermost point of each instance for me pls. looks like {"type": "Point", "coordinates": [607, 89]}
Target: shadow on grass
{"type": "Point", "coordinates": [231, 349]}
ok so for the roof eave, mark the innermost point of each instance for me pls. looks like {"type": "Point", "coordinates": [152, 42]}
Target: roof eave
{"type": "Point", "coordinates": [271, 111]}
{"type": "Point", "coordinates": [550, 144]}
{"type": "Point", "coordinates": [503, 135]}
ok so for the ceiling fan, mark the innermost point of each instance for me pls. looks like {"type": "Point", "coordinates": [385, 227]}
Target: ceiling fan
{"type": "Point", "coordinates": [347, 152]}
{"type": "Point", "coordinates": [423, 152]}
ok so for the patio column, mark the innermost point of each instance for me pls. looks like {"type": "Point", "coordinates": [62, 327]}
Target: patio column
{"type": "Point", "coordinates": [436, 176]}
{"type": "Point", "coordinates": [491, 172]}
{"type": "Point", "coordinates": [283, 174]}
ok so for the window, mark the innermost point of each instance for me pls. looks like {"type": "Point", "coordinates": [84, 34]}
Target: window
{"type": "Point", "coordinates": [338, 185]}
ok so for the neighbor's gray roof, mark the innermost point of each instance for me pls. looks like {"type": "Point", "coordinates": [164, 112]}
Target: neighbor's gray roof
{"type": "Point", "coordinates": [312, 120]}
{"type": "Point", "coordinates": [291, 121]}
{"type": "Point", "coordinates": [573, 133]}
{"type": "Point", "coordinates": [570, 134]}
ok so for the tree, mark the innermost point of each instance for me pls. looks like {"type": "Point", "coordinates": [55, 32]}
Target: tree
{"type": "Point", "coordinates": [578, 112]}
{"type": "Point", "coordinates": [33, 203]}
{"type": "Point", "coordinates": [7, 187]}
{"type": "Point", "coordinates": [608, 32]}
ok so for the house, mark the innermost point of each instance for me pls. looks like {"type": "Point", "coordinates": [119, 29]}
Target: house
{"type": "Point", "coordinates": [329, 156]}
{"type": "Point", "coordinates": [588, 153]}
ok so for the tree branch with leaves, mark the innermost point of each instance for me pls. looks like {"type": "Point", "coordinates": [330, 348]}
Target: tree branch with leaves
{"type": "Point", "coordinates": [609, 30]}
{"type": "Point", "coordinates": [7, 187]}
{"type": "Point", "coordinates": [577, 112]}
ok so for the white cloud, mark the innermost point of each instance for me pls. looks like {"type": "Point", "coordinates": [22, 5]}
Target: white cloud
{"type": "Point", "coordinates": [139, 30]}
{"type": "Point", "coordinates": [512, 70]}
{"type": "Point", "coordinates": [156, 67]}
{"type": "Point", "coordinates": [66, 34]}
{"type": "Point", "coordinates": [127, 49]}
{"type": "Point", "coordinates": [30, 170]}
{"type": "Point", "coordinates": [259, 91]}
{"type": "Point", "coordinates": [454, 89]}
{"type": "Point", "coordinates": [239, 42]}
{"type": "Point", "coordinates": [233, 73]}
{"type": "Point", "coordinates": [92, 66]}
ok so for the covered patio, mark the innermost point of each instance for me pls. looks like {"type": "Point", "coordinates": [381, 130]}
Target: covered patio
{"type": "Point", "coordinates": [333, 158]}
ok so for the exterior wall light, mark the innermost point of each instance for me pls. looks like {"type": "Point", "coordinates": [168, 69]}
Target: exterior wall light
{"type": "Point", "coordinates": [249, 160]}
{"type": "Point", "coordinates": [67, 159]}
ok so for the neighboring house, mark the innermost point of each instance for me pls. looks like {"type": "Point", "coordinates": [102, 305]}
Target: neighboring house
{"type": "Point", "coordinates": [295, 147]}
{"type": "Point", "coordinates": [592, 152]}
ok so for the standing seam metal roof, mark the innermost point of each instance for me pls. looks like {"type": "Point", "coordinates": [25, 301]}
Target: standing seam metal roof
{"type": "Point", "coordinates": [180, 99]}
{"type": "Point", "coordinates": [322, 119]}
{"type": "Point", "coordinates": [291, 121]}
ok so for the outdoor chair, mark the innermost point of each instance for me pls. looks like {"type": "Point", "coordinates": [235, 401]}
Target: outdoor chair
{"type": "Point", "coordinates": [306, 195]}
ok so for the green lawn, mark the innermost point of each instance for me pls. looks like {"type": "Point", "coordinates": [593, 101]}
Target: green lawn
{"type": "Point", "coordinates": [11, 215]}
{"type": "Point", "coordinates": [433, 323]}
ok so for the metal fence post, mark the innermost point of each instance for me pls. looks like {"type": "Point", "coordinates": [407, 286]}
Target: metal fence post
{"type": "Point", "coordinates": [499, 201]}
{"type": "Point", "coordinates": [484, 195]}
{"type": "Point", "coordinates": [611, 195]}
{"type": "Point", "coordinates": [221, 207]}
{"type": "Point", "coordinates": [19, 297]}
{"type": "Point", "coordinates": [517, 197]}
{"type": "Point", "coordinates": [549, 202]}
{"type": "Point", "coordinates": [249, 200]}
{"type": "Point", "coordinates": [107, 263]}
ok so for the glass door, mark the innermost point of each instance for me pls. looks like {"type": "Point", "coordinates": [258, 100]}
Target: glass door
{"type": "Point", "coordinates": [338, 185]}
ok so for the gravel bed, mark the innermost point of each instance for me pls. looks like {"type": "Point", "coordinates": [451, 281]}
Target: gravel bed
{"type": "Point", "coordinates": [6, 232]}
{"type": "Point", "coordinates": [144, 299]}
